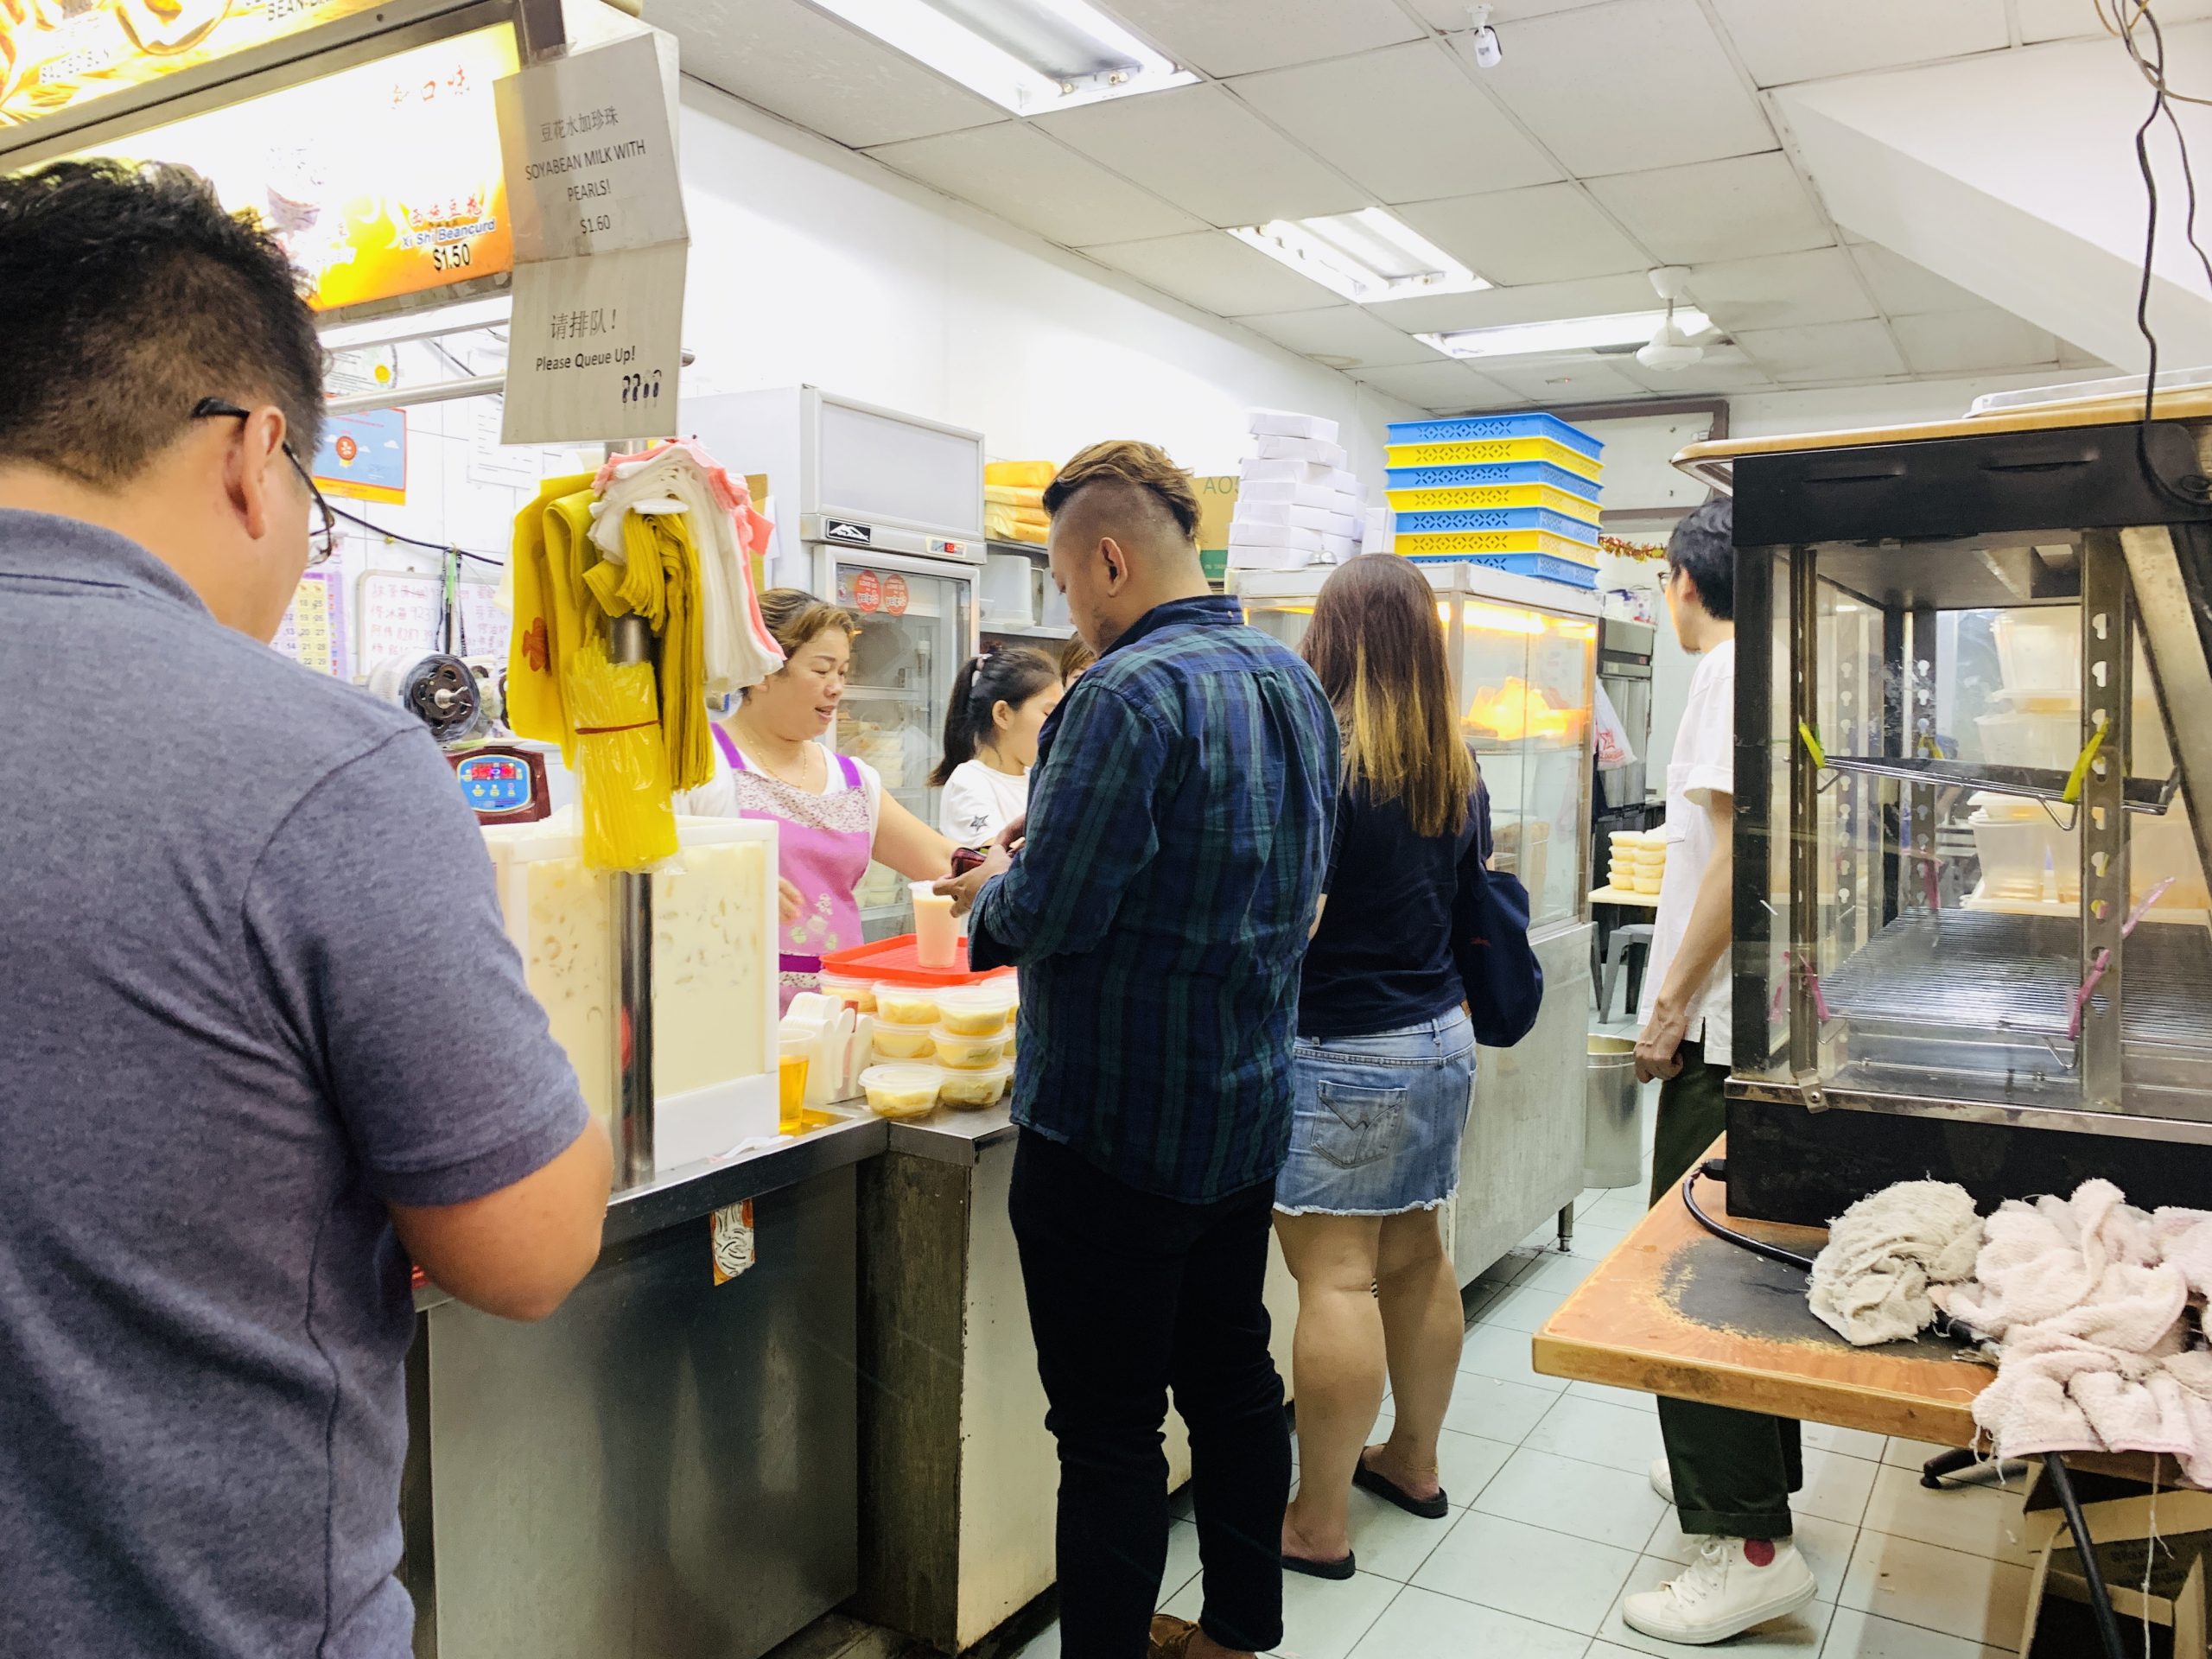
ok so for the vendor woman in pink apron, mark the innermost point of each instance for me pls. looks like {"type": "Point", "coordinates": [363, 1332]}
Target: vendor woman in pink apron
{"type": "Point", "coordinates": [834, 813]}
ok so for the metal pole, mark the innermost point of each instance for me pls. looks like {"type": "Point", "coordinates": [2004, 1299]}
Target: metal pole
{"type": "Point", "coordinates": [2092, 1569]}
{"type": "Point", "coordinates": [2106, 658]}
{"type": "Point", "coordinates": [630, 640]}
{"type": "Point", "coordinates": [1804, 817]}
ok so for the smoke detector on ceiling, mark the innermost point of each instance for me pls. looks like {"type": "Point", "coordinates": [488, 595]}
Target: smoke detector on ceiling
{"type": "Point", "coordinates": [1670, 348]}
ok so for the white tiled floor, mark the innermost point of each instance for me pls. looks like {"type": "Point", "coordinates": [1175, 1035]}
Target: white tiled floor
{"type": "Point", "coordinates": [1553, 1522]}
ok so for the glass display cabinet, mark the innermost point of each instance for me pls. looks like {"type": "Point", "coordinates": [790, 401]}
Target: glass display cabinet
{"type": "Point", "coordinates": [1523, 654]}
{"type": "Point", "coordinates": [1972, 765]}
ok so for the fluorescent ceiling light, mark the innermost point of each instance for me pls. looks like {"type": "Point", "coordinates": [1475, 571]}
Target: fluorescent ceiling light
{"type": "Point", "coordinates": [1365, 257]}
{"type": "Point", "coordinates": [1629, 328]}
{"type": "Point", "coordinates": [1028, 56]}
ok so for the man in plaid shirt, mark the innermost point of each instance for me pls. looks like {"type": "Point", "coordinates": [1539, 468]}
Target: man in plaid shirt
{"type": "Point", "coordinates": [1167, 881]}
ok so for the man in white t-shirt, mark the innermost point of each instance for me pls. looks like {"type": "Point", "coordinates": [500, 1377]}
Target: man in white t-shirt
{"type": "Point", "coordinates": [1728, 1473]}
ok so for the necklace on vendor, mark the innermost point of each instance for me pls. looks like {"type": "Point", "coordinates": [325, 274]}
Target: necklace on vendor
{"type": "Point", "coordinates": [785, 759]}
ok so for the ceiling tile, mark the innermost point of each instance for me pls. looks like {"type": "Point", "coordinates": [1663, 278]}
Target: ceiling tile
{"type": "Point", "coordinates": [1234, 37]}
{"type": "Point", "coordinates": [1453, 14]}
{"type": "Point", "coordinates": [1779, 290]}
{"type": "Point", "coordinates": [1705, 380]}
{"type": "Point", "coordinates": [1346, 335]}
{"type": "Point", "coordinates": [1205, 152]}
{"type": "Point", "coordinates": [1017, 172]}
{"type": "Point", "coordinates": [1212, 271]}
{"type": "Point", "coordinates": [2055, 20]}
{"type": "Point", "coordinates": [1442, 382]}
{"type": "Point", "coordinates": [1634, 83]}
{"type": "Point", "coordinates": [793, 61]}
{"type": "Point", "coordinates": [1547, 233]}
{"type": "Point", "coordinates": [1715, 211]}
{"type": "Point", "coordinates": [1783, 41]}
{"type": "Point", "coordinates": [1489, 308]}
{"type": "Point", "coordinates": [1961, 342]}
{"type": "Point", "coordinates": [1586, 380]}
{"type": "Point", "coordinates": [1828, 351]}
{"type": "Point", "coordinates": [1406, 122]}
{"type": "Point", "coordinates": [1906, 289]}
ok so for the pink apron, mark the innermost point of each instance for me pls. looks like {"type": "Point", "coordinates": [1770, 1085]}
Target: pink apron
{"type": "Point", "coordinates": [825, 845]}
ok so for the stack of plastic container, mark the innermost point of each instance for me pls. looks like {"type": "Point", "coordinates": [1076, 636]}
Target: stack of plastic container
{"type": "Point", "coordinates": [1516, 492]}
{"type": "Point", "coordinates": [2031, 852]}
{"type": "Point", "coordinates": [1297, 503]}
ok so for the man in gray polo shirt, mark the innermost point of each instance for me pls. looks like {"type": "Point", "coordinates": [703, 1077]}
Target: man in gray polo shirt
{"type": "Point", "coordinates": [262, 1036]}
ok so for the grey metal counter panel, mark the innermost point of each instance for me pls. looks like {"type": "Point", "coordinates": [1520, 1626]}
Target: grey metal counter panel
{"type": "Point", "coordinates": [665, 1467]}
{"type": "Point", "coordinates": [702, 1189]}
{"type": "Point", "coordinates": [954, 1137]}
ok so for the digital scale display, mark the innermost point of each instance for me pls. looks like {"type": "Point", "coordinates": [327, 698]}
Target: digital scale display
{"type": "Point", "coordinates": [494, 782]}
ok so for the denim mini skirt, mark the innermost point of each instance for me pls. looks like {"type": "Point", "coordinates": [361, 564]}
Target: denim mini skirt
{"type": "Point", "coordinates": [1379, 1120]}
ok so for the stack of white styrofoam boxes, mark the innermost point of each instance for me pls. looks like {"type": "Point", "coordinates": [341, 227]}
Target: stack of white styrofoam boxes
{"type": "Point", "coordinates": [1297, 505]}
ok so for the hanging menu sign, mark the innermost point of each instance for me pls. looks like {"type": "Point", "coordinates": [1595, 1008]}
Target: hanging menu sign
{"type": "Point", "coordinates": [595, 346]}
{"type": "Point", "coordinates": [596, 342]}
{"type": "Point", "coordinates": [590, 153]}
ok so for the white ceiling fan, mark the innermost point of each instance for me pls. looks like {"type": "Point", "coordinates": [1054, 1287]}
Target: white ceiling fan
{"type": "Point", "coordinates": [1669, 347]}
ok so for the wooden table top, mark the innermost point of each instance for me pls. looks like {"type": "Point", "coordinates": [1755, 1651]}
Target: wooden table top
{"type": "Point", "coordinates": [1675, 1310]}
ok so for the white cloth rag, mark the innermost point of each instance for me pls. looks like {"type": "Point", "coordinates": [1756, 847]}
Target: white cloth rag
{"type": "Point", "coordinates": [2086, 1298]}
{"type": "Point", "coordinates": [1871, 1284]}
{"type": "Point", "coordinates": [738, 649]}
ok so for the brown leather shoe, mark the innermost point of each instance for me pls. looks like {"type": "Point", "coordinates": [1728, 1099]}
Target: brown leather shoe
{"type": "Point", "coordinates": [1171, 1638]}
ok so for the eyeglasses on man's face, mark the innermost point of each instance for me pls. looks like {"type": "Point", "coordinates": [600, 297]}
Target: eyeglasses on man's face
{"type": "Point", "coordinates": [322, 537]}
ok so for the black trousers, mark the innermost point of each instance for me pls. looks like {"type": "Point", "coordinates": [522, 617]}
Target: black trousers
{"type": "Point", "coordinates": [1733, 1470]}
{"type": "Point", "coordinates": [1130, 1295]}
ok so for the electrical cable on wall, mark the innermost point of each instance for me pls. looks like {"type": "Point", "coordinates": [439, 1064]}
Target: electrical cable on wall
{"type": "Point", "coordinates": [442, 549]}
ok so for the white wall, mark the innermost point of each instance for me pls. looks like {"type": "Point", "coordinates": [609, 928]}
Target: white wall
{"type": "Point", "coordinates": [810, 264]}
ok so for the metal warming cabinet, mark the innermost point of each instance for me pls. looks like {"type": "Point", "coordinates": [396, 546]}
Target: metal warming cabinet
{"type": "Point", "coordinates": [1974, 764]}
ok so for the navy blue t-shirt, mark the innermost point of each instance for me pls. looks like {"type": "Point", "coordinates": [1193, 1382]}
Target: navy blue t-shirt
{"type": "Point", "coordinates": [1381, 959]}
{"type": "Point", "coordinates": [257, 987]}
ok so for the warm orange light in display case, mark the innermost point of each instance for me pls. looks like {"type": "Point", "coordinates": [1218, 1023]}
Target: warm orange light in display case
{"type": "Point", "coordinates": [380, 180]}
{"type": "Point", "coordinates": [1518, 709]}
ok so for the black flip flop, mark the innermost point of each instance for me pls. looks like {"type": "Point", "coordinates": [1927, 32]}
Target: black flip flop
{"type": "Point", "coordinates": [1338, 1570]}
{"type": "Point", "coordinates": [1428, 1508]}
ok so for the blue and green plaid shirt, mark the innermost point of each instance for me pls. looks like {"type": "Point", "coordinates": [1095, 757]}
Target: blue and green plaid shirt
{"type": "Point", "coordinates": [1179, 818]}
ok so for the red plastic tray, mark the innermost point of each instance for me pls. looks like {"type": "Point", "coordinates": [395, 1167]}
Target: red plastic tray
{"type": "Point", "coordinates": [893, 959]}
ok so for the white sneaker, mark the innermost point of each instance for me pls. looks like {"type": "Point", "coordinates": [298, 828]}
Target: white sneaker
{"type": "Point", "coordinates": [1724, 1592]}
{"type": "Point", "coordinates": [1663, 1479]}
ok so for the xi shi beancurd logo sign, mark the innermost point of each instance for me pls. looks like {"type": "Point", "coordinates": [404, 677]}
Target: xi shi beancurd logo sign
{"type": "Point", "coordinates": [56, 54]}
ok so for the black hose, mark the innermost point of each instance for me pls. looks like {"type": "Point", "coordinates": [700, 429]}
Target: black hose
{"type": "Point", "coordinates": [2100, 1598]}
{"type": "Point", "coordinates": [1756, 1247]}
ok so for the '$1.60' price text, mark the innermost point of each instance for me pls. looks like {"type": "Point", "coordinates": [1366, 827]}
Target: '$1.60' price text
{"type": "Point", "coordinates": [595, 224]}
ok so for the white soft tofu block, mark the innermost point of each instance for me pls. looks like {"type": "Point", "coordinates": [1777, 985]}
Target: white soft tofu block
{"type": "Point", "coordinates": [1312, 449]}
{"type": "Point", "coordinates": [1305, 541]}
{"type": "Point", "coordinates": [1295, 472]}
{"type": "Point", "coordinates": [1288, 423]}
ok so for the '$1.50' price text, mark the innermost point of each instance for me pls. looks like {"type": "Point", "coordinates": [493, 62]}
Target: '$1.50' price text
{"type": "Point", "coordinates": [452, 256]}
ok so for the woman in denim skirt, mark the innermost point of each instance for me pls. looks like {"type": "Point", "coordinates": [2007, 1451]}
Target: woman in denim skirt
{"type": "Point", "coordinates": [1385, 1066]}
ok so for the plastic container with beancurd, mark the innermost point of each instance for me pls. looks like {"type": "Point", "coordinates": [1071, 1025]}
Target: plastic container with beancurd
{"type": "Point", "coordinates": [901, 1090]}
{"type": "Point", "coordinates": [969, 1090]}
{"type": "Point", "coordinates": [977, 1010]}
{"type": "Point", "coordinates": [906, 1004]}
{"type": "Point", "coordinates": [858, 995]}
{"type": "Point", "coordinates": [894, 1041]}
{"type": "Point", "coordinates": [957, 1052]}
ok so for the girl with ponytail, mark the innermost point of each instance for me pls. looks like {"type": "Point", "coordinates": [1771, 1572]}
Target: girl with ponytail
{"type": "Point", "coordinates": [1000, 702]}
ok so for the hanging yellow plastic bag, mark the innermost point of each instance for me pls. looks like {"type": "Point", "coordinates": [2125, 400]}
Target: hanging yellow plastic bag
{"type": "Point", "coordinates": [629, 821]}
